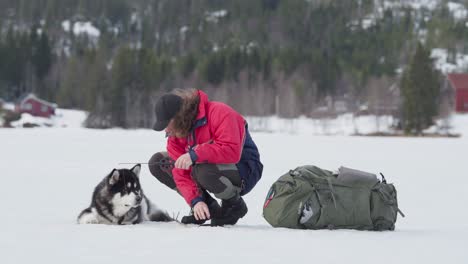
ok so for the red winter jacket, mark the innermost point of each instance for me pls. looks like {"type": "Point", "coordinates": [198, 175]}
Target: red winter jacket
{"type": "Point", "coordinates": [219, 133]}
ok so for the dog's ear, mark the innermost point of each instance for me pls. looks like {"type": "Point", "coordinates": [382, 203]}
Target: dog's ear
{"type": "Point", "coordinates": [136, 169]}
{"type": "Point", "coordinates": [114, 177]}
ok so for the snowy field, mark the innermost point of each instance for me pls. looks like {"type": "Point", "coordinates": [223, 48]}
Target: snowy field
{"type": "Point", "coordinates": [48, 175]}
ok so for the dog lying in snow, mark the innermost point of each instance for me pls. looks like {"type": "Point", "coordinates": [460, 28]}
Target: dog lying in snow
{"type": "Point", "coordinates": [118, 199]}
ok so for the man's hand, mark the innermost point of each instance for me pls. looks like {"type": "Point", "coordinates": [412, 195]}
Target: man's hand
{"type": "Point", "coordinates": [183, 162]}
{"type": "Point", "coordinates": [201, 211]}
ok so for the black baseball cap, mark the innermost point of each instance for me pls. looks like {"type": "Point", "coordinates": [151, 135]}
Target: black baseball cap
{"type": "Point", "coordinates": [166, 108]}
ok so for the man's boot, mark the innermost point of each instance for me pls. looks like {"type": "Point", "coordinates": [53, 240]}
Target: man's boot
{"type": "Point", "coordinates": [213, 206]}
{"type": "Point", "coordinates": [231, 211]}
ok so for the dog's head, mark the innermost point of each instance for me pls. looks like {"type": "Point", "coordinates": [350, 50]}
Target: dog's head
{"type": "Point", "coordinates": [125, 189]}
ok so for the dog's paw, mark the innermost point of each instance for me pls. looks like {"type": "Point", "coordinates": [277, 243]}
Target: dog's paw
{"type": "Point", "coordinates": [88, 219]}
{"type": "Point", "coordinates": [91, 221]}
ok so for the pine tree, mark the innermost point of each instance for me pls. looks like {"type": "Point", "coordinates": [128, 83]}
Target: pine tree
{"type": "Point", "coordinates": [420, 93]}
{"type": "Point", "coordinates": [42, 58]}
{"type": "Point", "coordinates": [16, 54]}
{"type": "Point", "coordinates": [69, 92]}
{"type": "Point", "coordinates": [2, 67]}
{"type": "Point", "coordinates": [122, 77]}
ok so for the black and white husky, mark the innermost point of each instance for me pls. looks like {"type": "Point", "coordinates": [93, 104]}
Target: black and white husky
{"type": "Point", "coordinates": [118, 199]}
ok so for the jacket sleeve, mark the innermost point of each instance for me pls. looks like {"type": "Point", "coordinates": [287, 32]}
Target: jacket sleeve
{"type": "Point", "coordinates": [228, 139]}
{"type": "Point", "coordinates": [182, 178]}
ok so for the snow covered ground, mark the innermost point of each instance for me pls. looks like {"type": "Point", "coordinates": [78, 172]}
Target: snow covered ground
{"type": "Point", "coordinates": [48, 175]}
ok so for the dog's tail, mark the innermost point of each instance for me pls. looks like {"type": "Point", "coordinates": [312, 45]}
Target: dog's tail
{"type": "Point", "coordinates": [160, 216]}
{"type": "Point", "coordinates": [155, 214]}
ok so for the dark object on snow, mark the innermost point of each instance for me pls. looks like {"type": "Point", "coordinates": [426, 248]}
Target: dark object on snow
{"type": "Point", "coordinates": [231, 211]}
{"type": "Point", "coordinates": [213, 206]}
{"type": "Point", "coordinates": [10, 116]}
{"type": "Point", "coordinates": [312, 198]}
{"type": "Point", "coordinates": [30, 125]}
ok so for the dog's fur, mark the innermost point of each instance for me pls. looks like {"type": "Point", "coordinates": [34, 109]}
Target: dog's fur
{"type": "Point", "coordinates": [118, 199]}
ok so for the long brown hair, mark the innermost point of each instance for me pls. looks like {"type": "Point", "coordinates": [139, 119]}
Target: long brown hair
{"type": "Point", "coordinates": [184, 119]}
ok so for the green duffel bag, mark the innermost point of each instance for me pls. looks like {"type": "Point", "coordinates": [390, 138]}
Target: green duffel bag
{"type": "Point", "coordinates": [313, 198]}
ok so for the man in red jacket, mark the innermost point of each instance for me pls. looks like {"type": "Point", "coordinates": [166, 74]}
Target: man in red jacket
{"type": "Point", "coordinates": [209, 149]}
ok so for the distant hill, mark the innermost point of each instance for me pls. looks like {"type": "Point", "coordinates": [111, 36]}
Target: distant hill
{"type": "Point", "coordinates": [114, 57]}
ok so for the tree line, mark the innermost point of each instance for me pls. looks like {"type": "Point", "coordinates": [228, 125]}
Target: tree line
{"type": "Point", "coordinates": [262, 57]}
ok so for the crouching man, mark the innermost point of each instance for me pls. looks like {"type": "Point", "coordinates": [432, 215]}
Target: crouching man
{"type": "Point", "coordinates": [209, 150]}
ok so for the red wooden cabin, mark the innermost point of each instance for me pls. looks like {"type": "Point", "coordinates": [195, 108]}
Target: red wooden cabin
{"type": "Point", "coordinates": [36, 107]}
